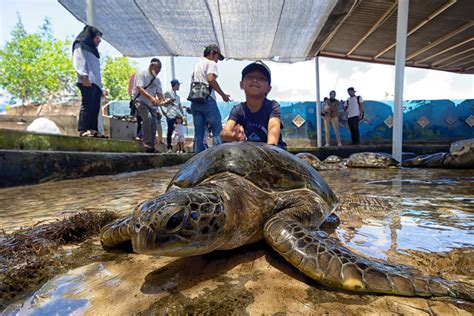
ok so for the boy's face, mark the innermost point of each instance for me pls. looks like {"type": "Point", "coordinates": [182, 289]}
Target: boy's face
{"type": "Point", "coordinates": [255, 84]}
{"type": "Point", "coordinates": [179, 120]}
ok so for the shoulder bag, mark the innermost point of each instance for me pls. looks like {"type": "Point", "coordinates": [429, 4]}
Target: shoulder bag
{"type": "Point", "coordinates": [132, 106]}
{"type": "Point", "coordinates": [199, 91]}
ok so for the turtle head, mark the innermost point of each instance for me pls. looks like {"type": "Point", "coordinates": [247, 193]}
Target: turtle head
{"type": "Point", "coordinates": [179, 223]}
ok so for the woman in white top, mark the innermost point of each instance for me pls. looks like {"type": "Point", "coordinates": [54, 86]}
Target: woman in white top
{"type": "Point", "coordinates": [87, 65]}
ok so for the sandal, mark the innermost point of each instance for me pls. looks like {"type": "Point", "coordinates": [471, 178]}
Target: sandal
{"type": "Point", "coordinates": [88, 133]}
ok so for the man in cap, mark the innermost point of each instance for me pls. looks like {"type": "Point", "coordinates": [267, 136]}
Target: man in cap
{"type": "Point", "coordinates": [257, 119]}
{"type": "Point", "coordinates": [355, 112]}
{"type": "Point", "coordinates": [174, 110]}
{"type": "Point", "coordinates": [148, 93]}
{"type": "Point", "coordinates": [206, 71]}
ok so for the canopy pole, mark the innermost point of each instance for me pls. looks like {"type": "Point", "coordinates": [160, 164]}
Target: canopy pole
{"type": "Point", "coordinates": [173, 71]}
{"type": "Point", "coordinates": [400, 53]}
{"type": "Point", "coordinates": [318, 105]}
{"type": "Point", "coordinates": [90, 12]}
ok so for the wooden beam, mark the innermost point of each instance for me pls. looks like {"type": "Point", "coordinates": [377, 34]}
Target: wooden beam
{"type": "Point", "coordinates": [330, 36]}
{"type": "Point", "coordinates": [451, 56]}
{"type": "Point", "coordinates": [356, 57]}
{"type": "Point", "coordinates": [442, 39]}
{"type": "Point", "coordinates": [445, 50]}
{"type": "Point", "coordinates": [374, 27]}
{"type": "Point", "coordinates": [458, 60]}
{"type": "Point", "coordinates": [420, 25]}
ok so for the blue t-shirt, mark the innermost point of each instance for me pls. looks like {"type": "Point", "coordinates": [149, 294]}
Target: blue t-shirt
{"type": "Point", "coordinates": [256, 124]}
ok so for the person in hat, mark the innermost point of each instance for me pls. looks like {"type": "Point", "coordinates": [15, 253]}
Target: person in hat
{"type": "Point", "coordinates": [148, 93]}
{"type": "Point", "coordinates": [173, 110]}
{"type": "Point", "coordinates": [85, 59]}
{"type": "Point", "coordinates": [206, 71]}
{"type": "Point", "coordinates": [257, 119]}
{"type": "Point", "coordinates": [354, 107]}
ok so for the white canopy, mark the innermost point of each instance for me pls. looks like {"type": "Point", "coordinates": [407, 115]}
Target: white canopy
{"type": "Point", "coordinates": [266, 29]}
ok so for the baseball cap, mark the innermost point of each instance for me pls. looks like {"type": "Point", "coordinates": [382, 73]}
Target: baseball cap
{"type": "Point", "coordinates": [213, 47]}
{"type": "Point", "coordinates": [174, 82]}
{"type": "Point", "coordinates": [154, 60]}
{"type": "Point", "coordinates": [351, 88]}
{"type": "Point", "coordinates": [260, 66]}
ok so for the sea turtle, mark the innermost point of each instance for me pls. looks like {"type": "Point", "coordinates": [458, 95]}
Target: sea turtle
{"type": "Point", "coordinates": [333, 159]}
{"type": "Point", "coordinates": [238, 193]}
{"type": "Point", "coordinates": [371, 160]}
{"type": "Point", "coordinates": [460, 156]}
{"type": "Point", "coordinates": [312, 160]}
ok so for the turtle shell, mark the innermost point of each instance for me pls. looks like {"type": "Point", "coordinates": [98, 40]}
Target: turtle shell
{"type": "Point", "coordinates": [268, 167]}
{"type": "Point", "coordinates": [333, 159]}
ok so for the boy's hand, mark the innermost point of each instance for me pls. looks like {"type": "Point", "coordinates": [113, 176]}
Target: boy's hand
{"type": "Point", "coordinates": [238, 132]}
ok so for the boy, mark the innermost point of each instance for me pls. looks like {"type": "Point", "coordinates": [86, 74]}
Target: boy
{"type": "Point", "coordinates": [179, 132]}
{"type": "Point", "coordinates": [257, 119]}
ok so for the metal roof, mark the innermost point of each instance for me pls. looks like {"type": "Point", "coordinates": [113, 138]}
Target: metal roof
{"type": "Point", "coordinates": [440, 32]}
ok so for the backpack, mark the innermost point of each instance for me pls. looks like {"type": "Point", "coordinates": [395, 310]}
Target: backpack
{"type": "Point", "coordinates": [358, 100]}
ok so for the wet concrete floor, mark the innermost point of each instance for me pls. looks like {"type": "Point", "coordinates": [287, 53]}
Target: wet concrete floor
{"type": "Point", "coordinates": [426, 220]}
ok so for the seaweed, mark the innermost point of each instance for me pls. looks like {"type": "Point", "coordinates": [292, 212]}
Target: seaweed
{"type": "Point", "coordinates": [31, 256]}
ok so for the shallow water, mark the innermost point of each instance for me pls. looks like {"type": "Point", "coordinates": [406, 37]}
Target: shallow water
{"type": "Point", "coordinates": [426, 220]}
{"type": "Point", "coordinates": [431, 209]}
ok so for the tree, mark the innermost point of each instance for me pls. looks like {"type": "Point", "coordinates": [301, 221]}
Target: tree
{"type": "Point", "coordinates": [116, 73]}
{"type": "Point", "coordinates": [35, 67]}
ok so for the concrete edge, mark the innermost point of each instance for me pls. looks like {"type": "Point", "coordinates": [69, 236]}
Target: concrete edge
{"type": "Point", "coordinates": [20, 167]}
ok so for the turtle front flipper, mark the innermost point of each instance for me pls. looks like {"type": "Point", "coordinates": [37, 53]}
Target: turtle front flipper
{"type": "Point", "coordinates": [320, 257]}
{"type": "Point", "coordinates": [116, 233]}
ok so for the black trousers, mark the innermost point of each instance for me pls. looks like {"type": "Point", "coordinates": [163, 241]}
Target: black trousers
{"type": "Point", "coordinates": [90, 107]}
{"type": "Point", "coordinates": [354, 128]}
{"type": "Point", "coordinates": [169, 133]}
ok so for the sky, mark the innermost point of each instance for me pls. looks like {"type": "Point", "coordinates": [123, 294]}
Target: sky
{"type": "Point", "coordinates": [290, 82]}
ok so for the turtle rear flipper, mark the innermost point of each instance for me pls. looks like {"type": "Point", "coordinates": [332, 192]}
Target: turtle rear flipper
{"type": "Point", "coordinates": [320, 257]}
{"type": "Point", "coordinates": [116, 234]}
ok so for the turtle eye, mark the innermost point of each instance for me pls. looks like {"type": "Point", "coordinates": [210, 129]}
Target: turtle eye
{"type": "Point", "coordinates": [175, 220]}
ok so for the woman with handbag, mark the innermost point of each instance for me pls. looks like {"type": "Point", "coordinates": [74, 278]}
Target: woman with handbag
{"type": "Point", "coordinates": [202, 95]}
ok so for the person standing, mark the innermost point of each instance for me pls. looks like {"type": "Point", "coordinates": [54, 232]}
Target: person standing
{"type": "Point", "coordinates": [355, 112]}
{"type": "Point", "coordinates": [133, 110]}
{"type": "Point", "coordinates": [206, 71]}
{"type": "Point", "coordinates": [85, 59]}
{"type": "Point", "coordinates": [331, 116]}
{"type": "Point", "coordinates": [174, 110]}
{"type": "Point", "coordinates": [148, 93]}
{"type": "Point", "coordinates": [179, 130]}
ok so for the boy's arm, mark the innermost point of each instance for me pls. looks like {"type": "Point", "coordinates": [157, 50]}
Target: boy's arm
{"type": "Point", "coordinates": [273, 131]}
{"type": "Point", "coordinates": [232, 131]}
